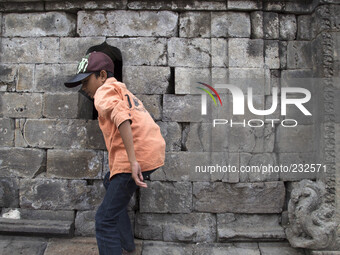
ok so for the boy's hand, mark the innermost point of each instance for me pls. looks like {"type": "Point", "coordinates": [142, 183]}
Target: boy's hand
{"type": "Point", "coordinates": [137, 174]}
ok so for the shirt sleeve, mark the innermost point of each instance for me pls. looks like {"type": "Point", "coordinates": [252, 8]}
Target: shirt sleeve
{"type": "Point", "coordinates": [111, 105]}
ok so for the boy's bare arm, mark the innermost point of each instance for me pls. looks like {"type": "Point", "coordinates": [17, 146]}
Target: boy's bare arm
{"type": "Point", "coordinates": [126, 134]}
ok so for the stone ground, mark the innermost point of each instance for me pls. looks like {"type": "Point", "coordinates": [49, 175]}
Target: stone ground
{"type": "Point", "coordinates": [15, 245]}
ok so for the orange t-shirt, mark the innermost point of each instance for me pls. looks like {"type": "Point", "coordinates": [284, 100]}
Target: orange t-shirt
{"type": "Point", "coordinates": [115, 104]}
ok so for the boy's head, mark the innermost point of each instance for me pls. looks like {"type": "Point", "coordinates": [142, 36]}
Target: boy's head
{"type": "Point", "coordinates": [92, 72]}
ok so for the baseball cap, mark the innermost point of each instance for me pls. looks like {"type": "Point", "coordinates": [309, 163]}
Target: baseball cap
{"type": "Point", "coordinates": [92, 62]}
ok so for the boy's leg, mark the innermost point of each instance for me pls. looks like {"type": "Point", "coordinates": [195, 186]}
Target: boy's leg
{"type": "Point", "coordinates": [116, 199]}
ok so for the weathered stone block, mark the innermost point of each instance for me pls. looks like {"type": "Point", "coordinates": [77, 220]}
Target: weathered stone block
{"type": "Point", "coordinates": [194, 227]}
{"type": "Point", "coordinates": [153, 104]}
{"type": "Point", "coordinates": [72, 49]}
{"type": "Point", "coordinates": [241, 227]}
{"type": "Point", "coordinates": [85, 223]}
{"type": "Point", "coordinates": [195, 24]}
{"type": "Point", "coordinates": [39, 24]}
{"type": "Point", "coordinates": [277, 248]}
{"type": "Point", "coordinates": [218, 197]}
{"type": "Point", "coordinates": [21, 105]}
{"type": "Point", "coordinates": [244, 5]}
{"type": "Point", "coordinates": [178, 5]}
{"type": "Point", "coordinates": [297, 139]}
{"type": "Point", "coordinates": [51, 78]}
{"type": "Point", "coordinates": [256, 24]}
{"type": "Point", "coordinates": [20, 162]}
{"type": "Point", "coordinates": [166, 197]}
{"type": "Point", "coordinates": [23, 6]}
{"type": "Point", "coordinates": [219, 52]}
{"type": "Point", "coordinates": [25, 50]}
{"type": "Point", "coordinates": [22, 244]}
{"type": "Point", "coordinates": [67, 106]}
{"type": "Point", "coordinates": [271, 25]}
{"type": "Point", "coordinates": [189, 52]}
{"type": "Point", "coordinates": [66, 195]}
{"type": "Point", "coordinates": [74, 164]}
{"type": "Point", "coordinates": [182, 108]}
{"type": "Point", "coordinates": [8, 76]}
{"type": "Point", "coordinates": [304, 31]}
{"type": "Point", "coordinates": [25, 77]}
{"type": "Point", "coordinates": [77, 245]}
{"type": "Point", "coordinates": [283, 54]}
{"type": "Point", "coordinates": [29, 214]}
{"type": "Point", "coordinates": [167, 248]}
{"type": "Point", "coordinates": [147, 79]}
{"type": "Point", "coordinates": [234, 248]}
{"type": "Point", "coordinates": [245, 53]}
{"type": "Point", "coordinates": [256, 164]}
{"type": "Point", "coordinates": [244, 78]}
{"type": "Point", "coordinates": [299, 55]}
{"type": "Point", "coordinates": [230, 24]}
{"type": "Point", "coordinates": [9, 192]}
{"type": "Point", "coordinates": [72, 133]}
{"type": "Point", "coordinates": [172, 133]}
{"type": "Point", "coordinates": [127, 23]}
{"type": "Point", "coordinates": [7, 127]}
{"type": "Point", "coordinates": [186, 79]}
{"type": "Point", "coordinates": [141, 51]}
{"type": "Point", "coordinates": [288, 27]}
{"type": "Point", "coordinates": [92, 5]}
{"type": "Point", "coordinates": [297, 173]}
{"type": "Point", "coordinates": [272, 56]}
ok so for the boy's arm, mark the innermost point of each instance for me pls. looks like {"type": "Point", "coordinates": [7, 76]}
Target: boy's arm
{"type": "Point", "coordinates": [126, 134]}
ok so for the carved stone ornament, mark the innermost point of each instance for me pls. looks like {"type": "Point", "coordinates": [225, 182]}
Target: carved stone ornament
{"type": "Point", "coordinates": [310, 218]}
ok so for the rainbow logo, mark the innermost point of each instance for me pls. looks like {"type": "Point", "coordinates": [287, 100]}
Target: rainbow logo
{"type": "Point", "coordinates": [209, 93]}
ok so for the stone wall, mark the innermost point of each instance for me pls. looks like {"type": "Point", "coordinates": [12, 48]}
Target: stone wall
{"type": "Point", "coordinates": [52, 153]}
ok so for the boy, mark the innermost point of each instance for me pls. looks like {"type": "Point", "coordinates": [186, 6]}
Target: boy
{"type": "Point", "coordinates": [134, 143]}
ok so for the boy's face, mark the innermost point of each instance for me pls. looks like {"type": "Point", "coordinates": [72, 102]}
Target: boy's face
{"type": "Point", "coordinates": [92, 83]}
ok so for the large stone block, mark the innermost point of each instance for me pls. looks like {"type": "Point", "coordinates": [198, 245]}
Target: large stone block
{"type": "Point", "coordinates": [72, 49]}
{"type": "Point", "coordinates": [147, 79]}
{"type": "Point", "coordinates": [72, 133]}
{"type": "Point", "coordinates": [8, 74]}
{"type": "Point", "coordinates": [304, 31]}
{"type": "Point", "coordinates": [299, 55]}
{"type": "Point", "coordinates": [301, 165]}
{"type": "Point", "coordinates": [178, 5]}
{"type": "Point", "coordinates": [66, 195]}
{"type": "Point", "coordinates": [195, 24]}
{"type": "Point", "coordinates": [186, 79]}
{"type": "Point", "coordinates": [51, 78]}
{"type": "Point", "coordinates": [189, 52]}
{"type": "Point", "coordinates": [127, 23]}
{"type": "Point", "coordinates": [153, 104]}
{"type": "Point", "coordinates": [9, 192]}
{"type": "Point", "coordinates": [233, 248]}
{"type": "Point", "coordinates": [67, 106]}
{"type": "Point", "coordinates": [93, 5]}
{"type": "Point", "coordinates": [230, 24]}
{"type": "Point", "coordinates": [218, 197]}
{"type": "Point", "coordinates": [13, 6]}
{"type": "Point", "coordinates": [182, 108]}
{"type": "Point", "coordinates": [242, 227]}
{"type": "Point", "coordinates": [259, 166]}
{"type": "Point", "coordinates": [141, 51]}
{"type": "Point", "coordinates": [288, 27]}
{"type": "Point", "coordinates": [167, 248]}
{"type": "Point", "coordinates": [30, 50]}
{"type": "Point", "coordinates": [166, 197]}
{"type": "Point", "coordinates": [271, 25]}
{"type": "Point", "coordinates": [74, 164]}
{"type": "Point", "coordinates": [244, 78]}
{"type": "Point", "coordinates": [39, 24]}
{"type": "Point", "coordinates": [245, 53]}
{"type": "Point", "coordinates": [244, 5]}
{"type": "Point", "coordinates": [7, 127]}
{"type": "Point", "coordinates": [219, 52]}
{"type": "Point", "coordinates": [272, 56]}
{"type": "Point", "coordinates": [20, 162]}
{"type": "Point", "coordinates": [22, 244]}
{"type": "Point", "coordinates": [278, 248]}
{"type": "Point", "coordinates": [297, 139]}
{"type": "Point", "coordinates": [172, 133]}
{"type": "Point", "coordinates": [256, 24]}
{"type": "Point", "coordinates": [77, 245]}
{"type": "Point", "coordinates": [21, 105]}
{"type": "Point", "coordinates": [193, 227]}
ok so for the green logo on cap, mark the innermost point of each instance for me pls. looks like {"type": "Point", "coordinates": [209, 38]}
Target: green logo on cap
{"type": "Point", "coordinates": [83, 64]}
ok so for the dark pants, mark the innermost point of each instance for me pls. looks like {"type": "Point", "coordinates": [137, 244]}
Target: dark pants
{"type": "Point", "coordinates": [113, 226]}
